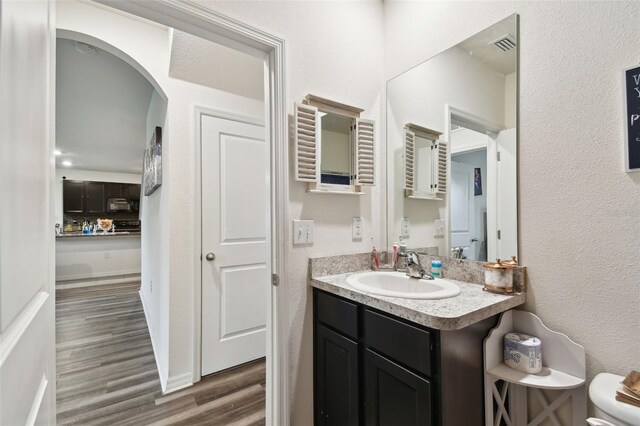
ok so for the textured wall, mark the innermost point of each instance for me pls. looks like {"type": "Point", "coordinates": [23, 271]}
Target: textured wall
{"type": "Point", "coordinates": [579, 228]}
{"type": "Point", "coordinates": [334, 50]}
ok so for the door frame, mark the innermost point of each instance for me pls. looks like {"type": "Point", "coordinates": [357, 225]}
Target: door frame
{"type": "Point", "coordinates": [211, 25]}
{"type": "Point", "coordinates": [491, 129]}
{"type": "Point", "coordinates": [199, 112]}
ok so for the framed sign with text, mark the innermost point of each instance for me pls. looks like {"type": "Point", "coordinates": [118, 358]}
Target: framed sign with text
{"type": "Point", "coordinates": [632, 119]}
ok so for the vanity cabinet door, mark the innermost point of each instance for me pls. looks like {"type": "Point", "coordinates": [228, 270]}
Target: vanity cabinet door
{"type": "Point", "coordinates": [394, 395]}
{"type": "Point", "coordinates": [336, 379]}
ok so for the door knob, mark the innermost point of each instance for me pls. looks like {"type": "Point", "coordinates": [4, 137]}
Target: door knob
{"type": "Point", "coordinates": [474, 240]}
{"type": "Point", "coordinates": [210, 257]}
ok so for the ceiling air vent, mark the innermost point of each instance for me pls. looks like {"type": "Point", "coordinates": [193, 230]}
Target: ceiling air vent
{"type": "Point", "coordinates": [505, 43]}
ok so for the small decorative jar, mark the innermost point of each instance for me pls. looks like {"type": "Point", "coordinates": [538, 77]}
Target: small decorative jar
{"type": "Point", "coordinates": [498, 277]}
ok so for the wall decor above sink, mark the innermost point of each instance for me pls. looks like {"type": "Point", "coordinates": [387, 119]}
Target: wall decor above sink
{"type": "Point", "coordinates": [334, 147]}
{"type": "Point", "coordinates": [452, 149]}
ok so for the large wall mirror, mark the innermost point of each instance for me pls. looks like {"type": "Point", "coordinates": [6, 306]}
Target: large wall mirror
{"type": "Point", "coordinates": [452, 145]}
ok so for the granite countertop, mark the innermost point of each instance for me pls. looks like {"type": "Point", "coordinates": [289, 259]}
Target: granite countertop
{"type": "Point", "coordinates": [472, 305]}
{"type": "Point", "coordinates": [108, 234]}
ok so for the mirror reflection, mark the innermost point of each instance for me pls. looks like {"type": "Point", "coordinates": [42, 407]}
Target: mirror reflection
{"type": "Point", "coordinates": [452, 149]}
{"type": "Point", "coordinates": [336, 155]}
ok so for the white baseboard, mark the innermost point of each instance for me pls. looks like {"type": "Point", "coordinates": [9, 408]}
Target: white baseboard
{"type": "Point", "coordinates": [98, 275]}
{"type": "Point", "coordinates": [115, 279]}
{"type": "Point", "coordinates": [178, 382]}
{"type": "Point", "coordinates": [163, 382]}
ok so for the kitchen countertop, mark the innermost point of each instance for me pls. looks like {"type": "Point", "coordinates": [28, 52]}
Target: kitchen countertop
{"type": "Point", "coordinates": [108, 234]}
{"type": "Point", "coordinates": [472, 305]}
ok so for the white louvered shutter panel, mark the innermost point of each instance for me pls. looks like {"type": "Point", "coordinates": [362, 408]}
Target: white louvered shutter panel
{"type": "Point", "coordinates": [441, 166]}
{"type": "Point", "coordinates": [409, 159]}
{"type": "Point", "coordinates": [365, 158]}
{"type": "Point", "coordinates": [306, 143]}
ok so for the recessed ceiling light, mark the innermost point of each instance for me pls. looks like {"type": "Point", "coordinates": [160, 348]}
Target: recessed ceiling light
{"type": "Point", "coordinates": [57, 152]}
{"type": "Point", "coordinates": [67, 163]}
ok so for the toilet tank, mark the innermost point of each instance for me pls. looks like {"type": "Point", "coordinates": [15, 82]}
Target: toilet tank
{"type": "Point", "coordinates": [602, 393]}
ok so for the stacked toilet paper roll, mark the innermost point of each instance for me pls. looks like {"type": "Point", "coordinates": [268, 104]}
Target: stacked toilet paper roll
{"type": "Point", "coordinates": [523, 352]}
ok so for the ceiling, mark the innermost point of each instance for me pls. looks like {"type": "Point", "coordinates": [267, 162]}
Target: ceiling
{"type": "Point", "coordinates": [481, 47]}
{"type": "Point", "coordinates": [204, 62]}
{"type": "Point", "coordinates": [101, 109]}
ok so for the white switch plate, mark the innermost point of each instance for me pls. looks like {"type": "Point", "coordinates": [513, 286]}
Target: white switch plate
{"type": "Point", "coordinates": [302, 232]}
{"type": "Point", "coordinates": [405, 227]}
{"type": "Point", "coordinates": [356, 228]}
{"type": "Point", "coordinates": [438, 227]}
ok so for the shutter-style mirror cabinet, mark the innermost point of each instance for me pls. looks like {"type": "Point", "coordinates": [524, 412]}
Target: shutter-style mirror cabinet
{"type": "Point", "coordinates": [335, 150]}
{"type": "Point", "coordinates": [425, 163]}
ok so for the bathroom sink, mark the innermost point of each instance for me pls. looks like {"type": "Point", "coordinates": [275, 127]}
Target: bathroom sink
{"type": "Point", "coordinates": [396, 284]}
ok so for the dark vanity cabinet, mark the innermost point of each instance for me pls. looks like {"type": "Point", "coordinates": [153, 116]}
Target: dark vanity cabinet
{"type": "Point", "coordinates": [372, 368]}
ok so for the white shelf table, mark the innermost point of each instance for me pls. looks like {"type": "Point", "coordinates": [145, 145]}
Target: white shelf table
{"type": "Point", "coordinates": [563, 369]}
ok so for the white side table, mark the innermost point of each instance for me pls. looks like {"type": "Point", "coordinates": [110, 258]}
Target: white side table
{"type": "Point", "coordinates": [506, 389]}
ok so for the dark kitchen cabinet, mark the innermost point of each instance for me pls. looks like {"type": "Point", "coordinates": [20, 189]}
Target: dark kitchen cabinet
{"type": "Point", "coordinates": [373, 368]}
{"type": "Point", "coordinates": [113, 190]}
{"type": "Point", "coordinates": [82, 197]}
{"type": "Point", "coordinates": [94, 197]}
{"type": "Point", "coordinates": [73, 196]}
{"type": "Point", "coordinates": [132, 191]}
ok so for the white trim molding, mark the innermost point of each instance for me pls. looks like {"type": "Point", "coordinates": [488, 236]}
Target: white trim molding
{"type": "Point", "coordinates": [206, 23]}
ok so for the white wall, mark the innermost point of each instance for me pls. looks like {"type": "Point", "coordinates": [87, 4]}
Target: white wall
{"type": "Point", "coordinates": [333, 51]}
{"type": "Point", "coordinates": [579, 211]}
{"type": "Point", "coordinates": [87, 258]}
{"type": "Point", "coordinates": [172, 307]}
{"type": "Point", "coordinates": [89, 175]}
{"type": "Point", "coordinates": [419, 96]}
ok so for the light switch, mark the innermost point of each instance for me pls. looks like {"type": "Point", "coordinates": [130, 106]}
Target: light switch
{"type": "Point", "coordinates": [438, 227]}
{"type": "Point", "coordinates": [356, 228]}
{"type": "Point", "coordinates": [405, 227]}
{"type": "Point", "coordinates": [302, 232]}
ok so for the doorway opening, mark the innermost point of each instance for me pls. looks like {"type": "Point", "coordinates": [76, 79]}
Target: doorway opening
{"type": "Point", "coordinates": [222, 277]}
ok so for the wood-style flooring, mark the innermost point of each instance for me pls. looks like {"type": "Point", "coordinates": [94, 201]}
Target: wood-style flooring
{"type": "Point", "coordinates": [107, 375]}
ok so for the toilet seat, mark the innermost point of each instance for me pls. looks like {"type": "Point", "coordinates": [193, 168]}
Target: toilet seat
{"type": "Point", "coordinates": [602, 393]}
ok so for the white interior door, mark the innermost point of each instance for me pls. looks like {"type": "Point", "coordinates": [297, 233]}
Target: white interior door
{"type": "Point", "coordinates": [507, 195]}
{"type": "Point", "coordinates": [27, 319]}
{"type": "Point", "coordinates": [462, 208]}
{"type": "Point", "coordinates": [236, 267]}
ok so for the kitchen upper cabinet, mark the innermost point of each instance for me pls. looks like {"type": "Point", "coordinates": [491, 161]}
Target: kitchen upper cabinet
{"type": "Point", "coordinates": [73, 196]}
{"type": "Point", "coordinates": [94, 197]}
{"type": "Point", "coordinates": [130, 191]}
{"type": "Point", "coordinates": [113, 190]}
{"type": "Point", "coordinates": [83, 197]}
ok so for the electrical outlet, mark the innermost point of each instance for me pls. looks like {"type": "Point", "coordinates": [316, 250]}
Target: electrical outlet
{"type": "Point", "coordinates": [151, 286]}
{"type": "Point", "coordinates": [356, 228]}
{"type": "Point", "coordinates": [302, 232]}
{"type": "Point", "coordinates": [438, 227]}
{"type": "Point", "coordinates": [405, 227]}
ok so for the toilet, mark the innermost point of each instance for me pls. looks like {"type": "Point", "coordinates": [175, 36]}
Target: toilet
{"type": "Point", "coordinates": [602, 393]}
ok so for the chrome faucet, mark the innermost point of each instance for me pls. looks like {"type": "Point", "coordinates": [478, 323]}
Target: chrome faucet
{"type": "Point", "coordinates": [415, 267]}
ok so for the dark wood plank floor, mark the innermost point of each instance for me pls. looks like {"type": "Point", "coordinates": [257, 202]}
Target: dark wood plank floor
{"type": "Point", "coordinates": [107, 375]}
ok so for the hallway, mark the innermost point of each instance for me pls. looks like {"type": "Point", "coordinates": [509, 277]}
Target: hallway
{"type": "Point", "coordinates": [106, 371]}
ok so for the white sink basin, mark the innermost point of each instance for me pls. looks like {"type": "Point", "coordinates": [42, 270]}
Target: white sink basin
{"type": "Point", "coordinates": [396, 284]}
